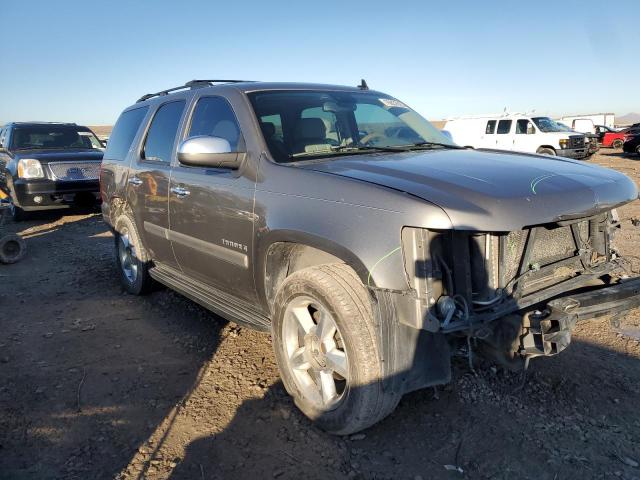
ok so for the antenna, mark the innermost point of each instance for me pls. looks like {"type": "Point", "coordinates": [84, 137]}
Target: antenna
{"type": "Point", "coordinates": [363, 85]}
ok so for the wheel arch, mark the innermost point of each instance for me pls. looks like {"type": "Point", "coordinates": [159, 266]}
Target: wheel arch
{"type": "Point", "coordinates": [288, 252]}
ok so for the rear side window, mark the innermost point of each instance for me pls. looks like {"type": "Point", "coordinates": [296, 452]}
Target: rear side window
{"type": "Point", "coordinates": [522, 126]}
{"type": "Point", "coordinates": [214, 117]}
{"type": "Point", "coordinates": [504, 126]}
{"type": "Point", "coordinates": [158, 146]}
{"type": "Point", "coordinates": [124, 132]}
{"type": "Point", "coordinates": [491, 126]}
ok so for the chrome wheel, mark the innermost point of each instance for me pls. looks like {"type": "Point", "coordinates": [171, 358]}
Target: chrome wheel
{"type": "Point", "coordinates": [127, 257]}
{"type": "Point", "coordinates": [315, 352]}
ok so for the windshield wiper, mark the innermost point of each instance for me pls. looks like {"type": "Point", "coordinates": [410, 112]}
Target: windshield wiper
{"type": "Point", "coordinates": [434, 144]}
{"type": "Point", "coordinates": [347, 150]}
{"type": "Point", "coordinates": [368, 148]}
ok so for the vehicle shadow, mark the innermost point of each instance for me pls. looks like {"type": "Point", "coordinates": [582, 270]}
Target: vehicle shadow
{"type": "Point", "coordinates": [618, 154]}
{"type": "Point", "coordinates": [562, 420]}
{"type": "Point", "coordinates": [87, 372]}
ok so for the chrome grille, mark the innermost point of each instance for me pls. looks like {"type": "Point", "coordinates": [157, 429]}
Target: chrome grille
{"type": "Point", "coordinates": [69, 171]}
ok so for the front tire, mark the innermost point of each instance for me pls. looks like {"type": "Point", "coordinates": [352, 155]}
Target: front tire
{"type": "Point", "coordinates": [326, 347]}
{"type": "Point", "coordinates": [617, 144]}
{"type": "Point", "coordinates": [18, 214]}
{"type": "Point", "coordinates": [546, 151]}
{"type": "Point", "coordinates": [131, 264]}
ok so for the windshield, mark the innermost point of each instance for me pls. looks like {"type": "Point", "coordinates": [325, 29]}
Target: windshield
{"type": "Point", "coordinates": [53, 137]}
{"type": "Point", "coordinates": [546, 125]}
{"type": "Point", "coordinates": [299, 125]}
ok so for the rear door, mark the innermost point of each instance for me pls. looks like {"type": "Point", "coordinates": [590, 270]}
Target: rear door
{"type": "Point", "coordinates": [524, 138]}
{"type": "Point", "coordinates": [148, 182]}
{"type": "Point", "coordinates": [211, 209]}
{"type": "Point", "coordinates": [488, 139]}
{"type": "Point", "coordinates": [504, 138]}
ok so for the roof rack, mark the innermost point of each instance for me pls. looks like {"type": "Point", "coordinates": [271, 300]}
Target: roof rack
{"type": "Point", "coordinates": [42, 123]}
{"type": "Point", "coordinates": [189, 85]}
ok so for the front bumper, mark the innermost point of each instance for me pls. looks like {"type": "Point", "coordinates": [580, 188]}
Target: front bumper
{"type": "Point", "coordinates": [576, 153]}
{"type": "Point", "coordinates": [51, 193]}
{"type": "Point", "coordinates": [550, 334]}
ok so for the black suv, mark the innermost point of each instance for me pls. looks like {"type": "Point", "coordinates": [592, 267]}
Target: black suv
{"type": "Point", "coordinates": [48, 165]}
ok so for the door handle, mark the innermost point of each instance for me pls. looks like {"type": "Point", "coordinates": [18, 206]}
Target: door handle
{"type": "Point", "coordinates": [135, 181]}
{"type": "Point", "coordinates": [180, 192]}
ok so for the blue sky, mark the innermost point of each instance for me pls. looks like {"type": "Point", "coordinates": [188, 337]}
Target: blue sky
{"type": "Point", "coordinates": [85, 61]}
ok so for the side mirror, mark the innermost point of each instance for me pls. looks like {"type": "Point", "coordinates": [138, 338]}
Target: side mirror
{"type": "Point", "coordinates": [530, 129]}
{"type": "Point", "coordinates": [104, 143]}
{"type": "Point", "coordinates": [206, 151]}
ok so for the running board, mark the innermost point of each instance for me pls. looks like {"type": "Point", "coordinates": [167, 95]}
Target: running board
{"type": "Point", "coordinates": [221, 303]}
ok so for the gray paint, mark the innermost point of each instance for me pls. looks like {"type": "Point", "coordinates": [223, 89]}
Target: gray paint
{"type": "Point", "coordinates": [353, 208]}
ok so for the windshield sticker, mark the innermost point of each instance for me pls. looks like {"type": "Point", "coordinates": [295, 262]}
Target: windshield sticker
{"type": "Point", "coordinates": [392, 102]}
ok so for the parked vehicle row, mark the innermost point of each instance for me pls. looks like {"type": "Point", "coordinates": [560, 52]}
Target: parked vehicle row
{"type": "Point", "coordinates": [520, 133]}
{"type": "Point", "coordinates": [369, 244]}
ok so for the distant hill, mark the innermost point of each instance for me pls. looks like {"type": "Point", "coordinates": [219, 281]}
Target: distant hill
{"type": "Point", "coordinates": [628, 119]}
{"type": "Point", "coordinates": [102, 131]}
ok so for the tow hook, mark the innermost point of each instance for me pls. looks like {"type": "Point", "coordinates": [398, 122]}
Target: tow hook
{"type": "Point", "coordinates": [546, 332]}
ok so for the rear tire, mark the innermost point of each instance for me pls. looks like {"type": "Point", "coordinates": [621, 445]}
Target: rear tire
{"type": "Point", "coordinates": [638, 149]}
{"type": "Point", "coordinates": [546, 151]}
{"type": "Point", "coordinates": [130, 259]}
{"type": "Point", "coordinates": [326, 347]}
{"type": "Point", "coordinates": [617, 144]}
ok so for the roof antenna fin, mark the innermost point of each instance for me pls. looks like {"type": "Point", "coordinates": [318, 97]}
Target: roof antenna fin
{"type": "Point", "coordinates": [363, 85]}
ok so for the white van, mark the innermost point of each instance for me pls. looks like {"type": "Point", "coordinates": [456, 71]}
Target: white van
{"type": "Point", "coordinates": [519, 133]}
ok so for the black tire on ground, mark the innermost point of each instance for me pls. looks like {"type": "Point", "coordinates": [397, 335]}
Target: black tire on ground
{"type": "Point", "coordinates": [12, 248]}
{"type": "Point", "coordinates": [131, 261]}
{"type": "Point", "coordinates": [617, 143]}
{"type": "Point", "coordinates": [341, 293]}
{"type": "Point", "coordinates": [18, 214]}
{"type": "Point", "coordinates": [546, 151]}
{"type": "Point", "coordinates": [638, 149]}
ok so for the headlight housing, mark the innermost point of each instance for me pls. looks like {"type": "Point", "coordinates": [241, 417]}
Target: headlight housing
{"type": "Point", "coordinates": [30, 168]}
{"type": "Point", "coordinates": [564, 142]}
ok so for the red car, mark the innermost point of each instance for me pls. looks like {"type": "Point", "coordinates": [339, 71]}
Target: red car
{"type": "Point", "coordinates": [614, 139]}
{"type": "Point", "coordinates": [609, 137]}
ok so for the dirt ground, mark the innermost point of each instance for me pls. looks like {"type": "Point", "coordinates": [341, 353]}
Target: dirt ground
{"type": "Point", "coordinates": [95, 383]}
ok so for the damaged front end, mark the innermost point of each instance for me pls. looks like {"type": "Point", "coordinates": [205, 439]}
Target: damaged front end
{"type": "Point", "coordinates": [516, 294]}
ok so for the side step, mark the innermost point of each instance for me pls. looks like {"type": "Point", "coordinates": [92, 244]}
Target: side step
{"type": "Point", "coordinates": [221, 303]}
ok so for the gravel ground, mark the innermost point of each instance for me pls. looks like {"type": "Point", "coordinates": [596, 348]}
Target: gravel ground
{"type": "Point", "coordinates": [95, 383]}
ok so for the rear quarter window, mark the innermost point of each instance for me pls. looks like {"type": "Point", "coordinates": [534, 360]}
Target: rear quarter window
{"type": "Point", "coordinates": [124, 132]}
{"type": "Point", "coordinates": [504, 127]}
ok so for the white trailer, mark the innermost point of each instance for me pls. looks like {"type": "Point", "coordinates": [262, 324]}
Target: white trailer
{"type": "Point", "coordinates": [587, 123]}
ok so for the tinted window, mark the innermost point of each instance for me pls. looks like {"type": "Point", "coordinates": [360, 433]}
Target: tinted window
{"type": "Point", "coordinates": [124, 132]}
{"type": "Point", "coordinates": [53, 137]}
{"type": "Point", "coordinates": [213, 117]}
{"type": "Point", "coordinates": [504, 126]}
{"type": "Point", "coordinates": [275, 129]}
{"type": "Point", "coordinates": [162, 133]}
{"type": "Point", "coordinates": [522, 126]}
{"type": "Point", "coordinates": [491, 126]}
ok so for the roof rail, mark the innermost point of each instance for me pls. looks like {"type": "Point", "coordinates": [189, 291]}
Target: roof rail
{"type": "Point", "coordinates": [42, 123]}
{"type": "Point", "coordinates": [189, 85]}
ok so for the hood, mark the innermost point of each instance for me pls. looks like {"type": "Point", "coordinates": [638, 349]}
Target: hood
{"type": "Point", "coordinates": [491, 191]}
{"type": "Point", "coordinates": [47, 156]}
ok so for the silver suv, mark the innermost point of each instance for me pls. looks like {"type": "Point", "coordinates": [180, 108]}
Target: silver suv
{"type": "Point", "coordinates": [364, 240]}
